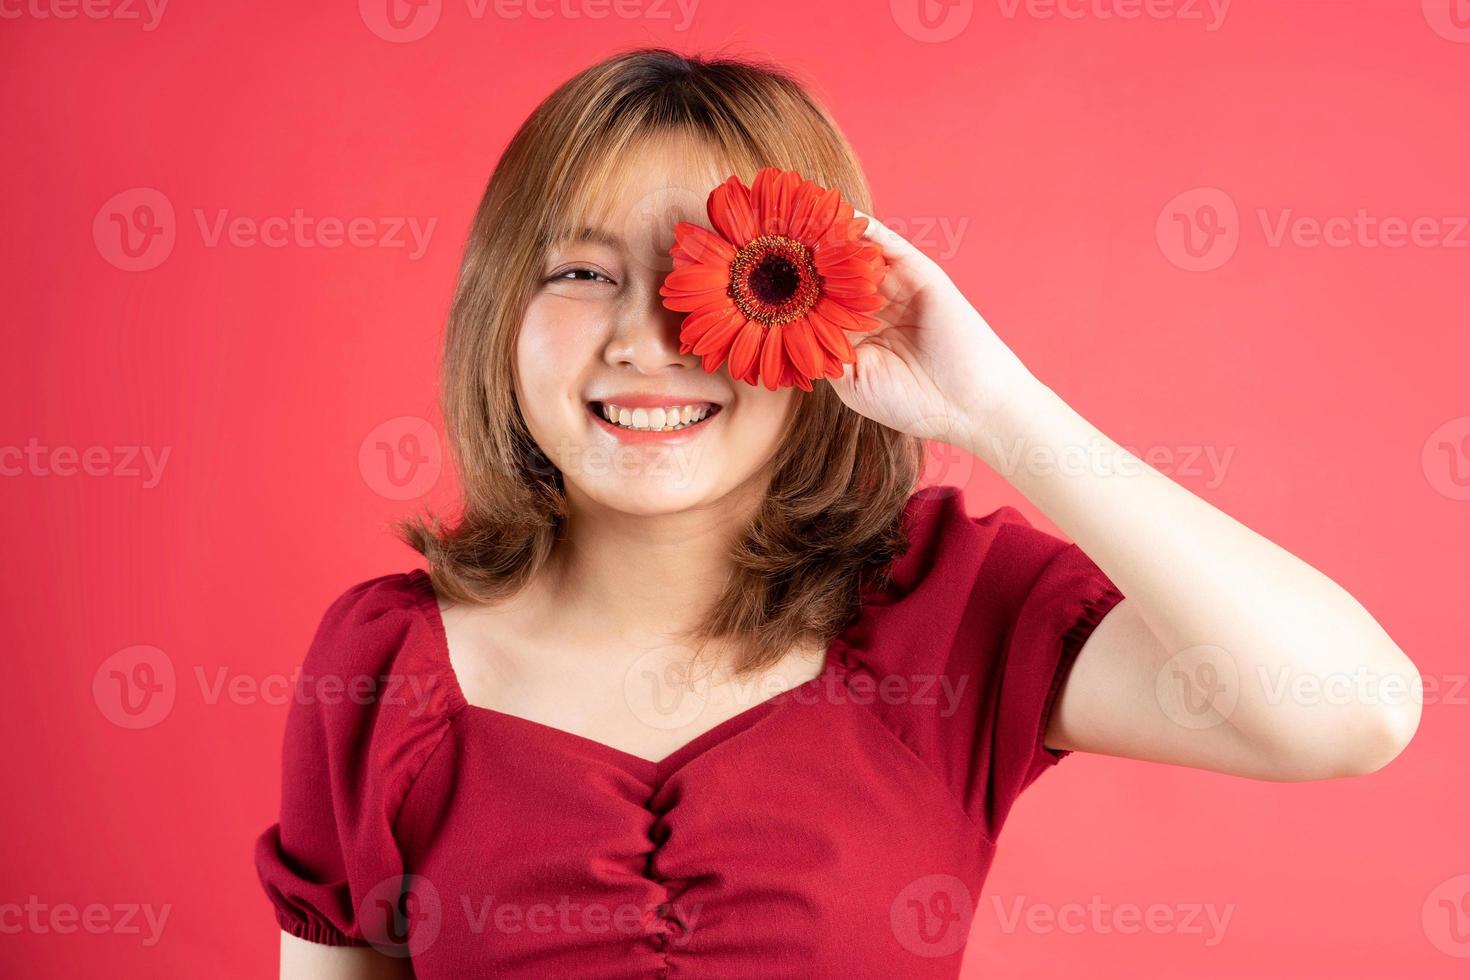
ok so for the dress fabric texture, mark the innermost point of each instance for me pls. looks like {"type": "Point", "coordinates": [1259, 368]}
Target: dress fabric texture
{"type": "Point", "coordinates": [842, 828]}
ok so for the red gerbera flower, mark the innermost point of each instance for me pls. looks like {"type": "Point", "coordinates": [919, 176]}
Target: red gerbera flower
{"type": "Point", "coordinates": [785, 272]}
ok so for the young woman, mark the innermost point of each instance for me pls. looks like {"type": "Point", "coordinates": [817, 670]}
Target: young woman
{"type": "Point", "coordinates": [730, 698]}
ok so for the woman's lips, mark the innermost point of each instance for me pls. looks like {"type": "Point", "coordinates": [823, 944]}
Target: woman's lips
{"type": "Point", "coordinates": [624, 434]}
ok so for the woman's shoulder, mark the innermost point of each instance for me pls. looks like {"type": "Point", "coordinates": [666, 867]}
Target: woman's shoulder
{"type": "Point", "coordinates": [949, 549]}
{"type": "Point", "coordinates": [974, 637]}
{"type": "Point", "coordinates": [380, 645]}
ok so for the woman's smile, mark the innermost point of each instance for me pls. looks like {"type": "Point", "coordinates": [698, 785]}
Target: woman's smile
{"type": "Point", "coordinates": [645, 419]}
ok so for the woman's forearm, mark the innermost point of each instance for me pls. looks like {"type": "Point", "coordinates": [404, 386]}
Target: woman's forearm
{"type": "Point", "coordinates": [1312, 666]}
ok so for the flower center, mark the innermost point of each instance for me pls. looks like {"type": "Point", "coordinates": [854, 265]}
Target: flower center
{"type": "Point", "coordinates": [773, 280]}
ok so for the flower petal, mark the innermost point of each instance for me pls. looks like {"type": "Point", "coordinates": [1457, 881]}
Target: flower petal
{"type": "Point", "coordinates": [697, 279]}
{"type": "Point", "coordinates": [730, 212]}
{"type": "Point", "coordinates": [687, 302]}
{"type": "Point", "coordinates": [830, 336]}
{"type": "Point", "coordinates": [696, 243]}
{"type": "Point", "coordinates": [701, 323]}
{"type": "Point", "coordinates": [719, 336]}
{"type": "Point", "coordinates": [773, 355]}
{"type": "Point", "coordinates": [744, 349]}
{"type": "Point", "coordinates": [804, 198]}
{"type": "Point", "coordinates": [802, 348]}
{"type": "Point", "coordinates": [824, 210]}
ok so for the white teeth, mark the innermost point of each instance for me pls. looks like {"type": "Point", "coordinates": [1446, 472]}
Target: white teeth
{"type": "Point", "coordinates": [666, 419]}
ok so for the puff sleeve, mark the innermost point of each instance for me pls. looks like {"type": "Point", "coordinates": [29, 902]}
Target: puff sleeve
{"type": "Point", "coordinates": [1058, 612]}
{"type": "Point", "coordinates": [351, 748]}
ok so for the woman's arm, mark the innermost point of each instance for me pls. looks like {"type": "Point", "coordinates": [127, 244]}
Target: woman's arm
{"type": "Point", "coordinates": [301, 960]}
{"type": "Point", "coordinates": [1228, 652]}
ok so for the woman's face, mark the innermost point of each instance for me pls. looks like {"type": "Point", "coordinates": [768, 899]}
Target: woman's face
{"type": "Point", "coordinates": [597, 340]}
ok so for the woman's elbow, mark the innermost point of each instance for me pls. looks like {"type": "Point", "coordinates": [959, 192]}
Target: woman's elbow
{"type": "Point", "coordinates": [1341, 737]}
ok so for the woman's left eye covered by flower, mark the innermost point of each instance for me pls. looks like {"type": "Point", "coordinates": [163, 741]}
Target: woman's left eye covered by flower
{"type": "Point", "coordinates": [785, 272]}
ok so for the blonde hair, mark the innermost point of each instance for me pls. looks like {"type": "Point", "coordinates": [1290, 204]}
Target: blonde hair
{"type": "Point", "coordinates": [839, 481]}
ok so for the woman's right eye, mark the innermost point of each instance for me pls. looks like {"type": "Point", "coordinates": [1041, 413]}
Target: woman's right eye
{"type": "Point", "coordinates": [562, 275]}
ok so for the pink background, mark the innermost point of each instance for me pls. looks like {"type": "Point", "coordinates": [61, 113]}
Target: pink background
{"type": "Point", "coordinates": [1036, 156]}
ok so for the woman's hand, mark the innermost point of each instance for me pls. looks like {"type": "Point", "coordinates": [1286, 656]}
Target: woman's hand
{"type": "Point", "coordinates": [935, 369]}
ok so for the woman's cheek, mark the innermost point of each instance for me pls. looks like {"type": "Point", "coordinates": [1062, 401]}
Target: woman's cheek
{"type": "Point", "coordinates": [551, 355]}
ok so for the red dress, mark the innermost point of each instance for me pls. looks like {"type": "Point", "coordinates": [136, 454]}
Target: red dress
{"type": "Point", "coordinates": [842, 828]}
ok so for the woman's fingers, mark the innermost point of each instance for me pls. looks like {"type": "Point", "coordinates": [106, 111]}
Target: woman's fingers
{"type": "Point", "coordinates": [877, 231]}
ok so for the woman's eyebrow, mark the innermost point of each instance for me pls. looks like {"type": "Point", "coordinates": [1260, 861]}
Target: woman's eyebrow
{"type": "Point", "coordinates": [597, 236]}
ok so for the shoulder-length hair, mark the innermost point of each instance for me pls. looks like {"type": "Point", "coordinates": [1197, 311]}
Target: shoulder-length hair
{"type": "Point", "coordinates": [832, 514]}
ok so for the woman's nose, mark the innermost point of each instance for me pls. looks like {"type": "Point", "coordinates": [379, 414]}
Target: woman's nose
{"type": "Point", "coordinates": [646, 334]}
